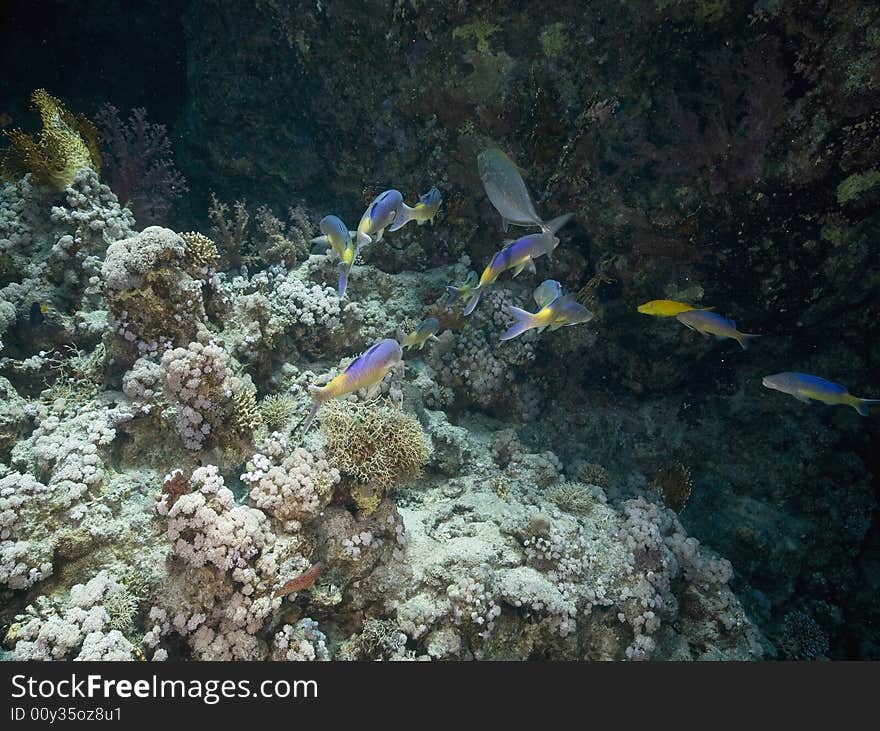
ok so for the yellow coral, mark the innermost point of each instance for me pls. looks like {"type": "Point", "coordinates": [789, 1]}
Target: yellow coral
{"type": "Point", "coordinates": [276, 410]}
{"type": "Point", "coordinates": [67, 143]}
{"type": "Point", "coordinates": [374, 443]}
{"type": "Point", "coordinates": [245, 416]}
{"type": "Point", "coordinates": [201, 252]}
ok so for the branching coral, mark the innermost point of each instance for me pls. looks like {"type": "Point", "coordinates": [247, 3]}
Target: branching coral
{"type": "Point", "coordinates": [292, 489]}
{"type": "Point", "coordinates": [67, 143]}
{"type": "Point", "coordinates": [374, 443]}
{"type": "Point", "coordinates": [139, 163]}
{"type": "Point", "coordinates": [276, 410]}
{"type": "Point", "coordinates": [232, 233]}
{"type": "Point", "coordinates": [201, 252]}
{"type": "Point", "coordinates": [199, 379]}
{"type": "Point", "coordinates": [286, 243]}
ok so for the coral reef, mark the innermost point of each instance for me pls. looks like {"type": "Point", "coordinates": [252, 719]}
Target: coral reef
{"type": "Point", "coordinates": [617, 491]}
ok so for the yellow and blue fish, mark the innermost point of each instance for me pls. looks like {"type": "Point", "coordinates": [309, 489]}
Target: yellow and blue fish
{"type": "Point", "coordinates": [422, 212]}
{"type": "Point", "coordinates": [336, 233]}
{"type": "Point", "coordinates": [554, 311]}
{"type": "Point", "coordinates": [365, 371]}
{"type": "Point", "coordinates": [37, 313]}
{"type": "Point", "coordinates": [463, 291]}
{"type": "Point", "coordinates": [711, 323]}
{"type": "Point", "coordinates": [518, 255]}
{"type": "Point", "coordinates": [805, 387]}
{"type": "Point", "coordinates": [427, 330]}
{"type": "Point", "coordinates": [380, 214]}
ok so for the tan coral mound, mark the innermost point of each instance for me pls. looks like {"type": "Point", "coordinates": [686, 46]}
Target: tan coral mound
{"type": "Point", "coordinates": [374, 443]}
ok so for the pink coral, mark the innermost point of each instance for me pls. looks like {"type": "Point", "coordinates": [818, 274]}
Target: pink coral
{"type": "Point", "coordinates": [139, 163]}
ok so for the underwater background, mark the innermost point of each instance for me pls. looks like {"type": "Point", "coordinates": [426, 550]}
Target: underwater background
{"type": "Point", "coordinates": [616, 486]}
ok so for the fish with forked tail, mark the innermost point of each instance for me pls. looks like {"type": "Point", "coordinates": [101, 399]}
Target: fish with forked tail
{"type": "Point", "coordinates": [518, 255]}
{"type": "Point", "coordinates": [711, 323]}
{"type": "Point", "coordinates": [805, 387]}
{"type": "Point", "coordinates": [365, 371]}
{"type": "Point", "coordinates": [380, 214]}
{"type": "Point", "coordinates": [427, 330]}
{"type": "Point", "coordinates": [463, 291]}
{"type": "Point", "coordinates": [336, 234]}
{"type": "Point", "coordinates": [555, 311]}
{"type": "Point", "coordinates": [421, 212]}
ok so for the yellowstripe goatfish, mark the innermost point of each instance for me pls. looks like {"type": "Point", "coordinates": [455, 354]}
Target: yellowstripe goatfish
{"type": "Point", "coordinates": [518, 255]}
{"type": "Point", "coordinates": [365, 371]}
{"type": "Point", "coordinates": [804, 387]}
{"type": "Point", "coordinates": [554, 311]}
{"type": "Point", "coordinates": [711, 323]}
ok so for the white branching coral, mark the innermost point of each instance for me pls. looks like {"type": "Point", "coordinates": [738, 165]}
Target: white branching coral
{"type": "Point", "coordinates": [300, 642]}
{"type": "Point", "coordinates": [23, 562]}
{"type": "Point", "coordinates": [199, 380]}
{"type": "Point", "coordinates": [79, 630]}
{"type": "Point", "coordinates": [206, 526]}
{"type": "Point", "coordinates": [293, 489]}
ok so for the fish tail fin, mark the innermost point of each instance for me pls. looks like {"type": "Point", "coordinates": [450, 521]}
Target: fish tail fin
{"type": "Point", "coordinates": [744, 339]}
{"type": "Point", "coordinates": [363, 239]}
{"type": "Point", "coordinates": [473, 301]}
{"type": "Point", "coordinates": [403, 217]}
{"type": "Point", "coordinates": [318, 398]}
{"type": "Point", "coordinates": [343, 280]}
{"type": "Point", "coordinates": [553, 225]}
{"type": "Point", "coordinates": [524, 321]}
{"type": "Point", "coordinates": [863, 405]}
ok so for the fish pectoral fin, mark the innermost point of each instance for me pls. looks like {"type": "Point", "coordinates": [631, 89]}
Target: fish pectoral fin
{"type": "Point", "coordinates": [373, 391]}
{"type": "Point", "coordinates": [518, 269]}
{"type": "Point", "coordinates": [530, 265]}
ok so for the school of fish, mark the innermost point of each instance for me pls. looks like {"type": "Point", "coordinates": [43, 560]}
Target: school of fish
{"type": "Point", "coordinates": [507, 191]}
